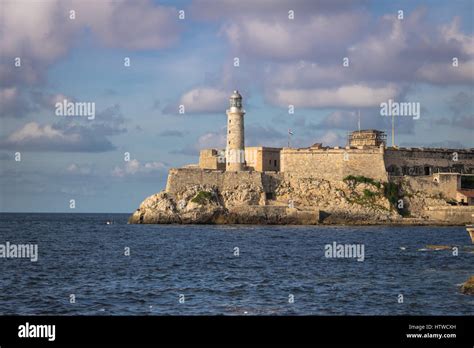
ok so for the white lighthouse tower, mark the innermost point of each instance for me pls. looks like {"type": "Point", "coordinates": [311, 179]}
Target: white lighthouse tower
{"type": "Point", "coordinates": [235, 147]}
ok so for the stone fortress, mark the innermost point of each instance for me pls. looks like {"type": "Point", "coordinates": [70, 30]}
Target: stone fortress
{"type": "Point", "coordinates": [363, 182]}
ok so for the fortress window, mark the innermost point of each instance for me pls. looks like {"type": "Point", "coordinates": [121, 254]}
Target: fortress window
{"type": "Point", "coordinates": [275, 163]}
{"type": "Point", "coordinates": [270, 162]}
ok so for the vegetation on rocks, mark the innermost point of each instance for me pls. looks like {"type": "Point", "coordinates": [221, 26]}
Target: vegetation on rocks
{"type": "Point", "coordinates": [359, 179]}
{"type": "Point", "coordinates": [202, 197]}
{"type": "Point", "coordinates": [391, 193]}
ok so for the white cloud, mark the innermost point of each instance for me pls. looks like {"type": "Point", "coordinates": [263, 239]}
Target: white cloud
{"type": "Point", "coordinates": [134, 167]}
{"type": "Point", "coordinates": [77, 169]}
{"type": "Point", "coordinates": [42, 32]}
{"type": "Point", "coordinates": [304, 74]}
{"type": "Point", "coordinates": [32, 132]}
{"type": "Point", "coordinates": [202, 100]}
{"type": "Point", "coordinates": [452, 32]}
{"type": "Point", "coordinates": [281, 39]}
{"type": "Point", "coordinates": [135, 25]}
{"type": "Point", "coordinates": [345, 96]}
{"type": "Point", "coordinates": [67, 135]}
{"type": "Point", "coordinates": [445, 73]}
{"type": "Point", "coordinates": [211, 140]}
{"type": "Point", "coordinates": [332, 138]}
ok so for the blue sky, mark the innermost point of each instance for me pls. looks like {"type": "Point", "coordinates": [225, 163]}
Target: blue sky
{"type": "Point", "coordinates": [190, 62]}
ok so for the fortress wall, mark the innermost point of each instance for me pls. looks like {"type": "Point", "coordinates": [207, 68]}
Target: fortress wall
{"type": "Point", "coordinates": [456, 215]}
{"type": "Point", "coordinates": [446, 185]}
{"type": "Point", "coordinates": [330, 164]}
{"type": "Point", "coordinates": [263, 159]}
{"type": "Point", "coordinates": [179, 179]}
{"type": "Point", "coordinates": [211, 159]}
{"type": "Point", "coordinates": [270, 159]}
{"type": "Point", "coordinates": [427, 161]}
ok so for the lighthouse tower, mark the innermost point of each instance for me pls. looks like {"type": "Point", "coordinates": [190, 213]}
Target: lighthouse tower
{"type": "Point", "coordinates": [235, 147]}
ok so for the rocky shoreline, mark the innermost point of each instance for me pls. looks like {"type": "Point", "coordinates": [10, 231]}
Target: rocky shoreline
{"type": "Point", "coordinates": [352, 201]}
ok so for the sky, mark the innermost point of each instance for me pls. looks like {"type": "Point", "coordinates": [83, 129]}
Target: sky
{"type": "Point", "coordinates": [330, 59]}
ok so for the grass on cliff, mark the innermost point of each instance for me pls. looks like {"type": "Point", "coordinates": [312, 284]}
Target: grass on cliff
{"type": "Point", "coordinates": [359, 179]}
{"type": "Point", "coordinates": [202, 197]}
{"type": "Point", "coordinates": [390, 191]}
{"type": "Point", "coordinates": [370, 195]}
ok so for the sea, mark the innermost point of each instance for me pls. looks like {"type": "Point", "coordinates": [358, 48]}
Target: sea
{"type": "Point", "coordinates": [88, 267]}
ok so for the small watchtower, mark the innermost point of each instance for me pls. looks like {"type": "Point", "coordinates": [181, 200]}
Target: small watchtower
{"type": "Point", "coordinates": [367, 137]}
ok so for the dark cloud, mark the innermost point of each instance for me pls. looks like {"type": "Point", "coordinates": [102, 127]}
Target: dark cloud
{"type": "Point", "coordinates": [69, 134]}
{"type": "Point", "coordinates": [462, 107]}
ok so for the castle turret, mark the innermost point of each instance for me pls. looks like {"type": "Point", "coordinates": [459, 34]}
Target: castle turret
{"type": "Point", "coordinates": [235, 147]}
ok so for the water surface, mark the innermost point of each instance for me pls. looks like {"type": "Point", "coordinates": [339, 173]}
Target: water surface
{"type": "Point", "coordinates": [79, 254]}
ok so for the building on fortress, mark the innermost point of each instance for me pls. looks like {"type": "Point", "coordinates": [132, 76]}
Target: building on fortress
{"type": "Point", "coordinates": [366, 154]}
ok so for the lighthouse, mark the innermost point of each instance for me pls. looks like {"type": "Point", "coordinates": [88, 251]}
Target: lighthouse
{"type": "Point", "coordinates": [235, 147]}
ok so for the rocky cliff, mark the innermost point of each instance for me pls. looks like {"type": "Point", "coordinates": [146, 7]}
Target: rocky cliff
{"type": "Point", "coordinates": [247, 200]}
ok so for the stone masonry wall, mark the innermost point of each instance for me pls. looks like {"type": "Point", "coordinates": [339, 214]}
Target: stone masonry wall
{"type": "Point", "coordinates": [415, 161]}
{"type": "Point", "coordinates": [437, 185]}
{"type": "Point", "coordinates": [333, 164]}
{"type": "Point", "coordinates": [180, 179]}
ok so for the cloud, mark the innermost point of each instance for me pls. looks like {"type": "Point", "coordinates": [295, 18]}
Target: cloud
{"type": "Point", "coordinates": [451, 32]}
{"type": "Point", "coordinates": [331, 138]}
{"type": "Point", "coordinates": [135, 168]}
{"type": "Point", "coordinates": [258, 135]}
{"type": "Point", "coordinates": [462, 107]}
{"type": "Point", "coordinates": [45, 30]}
{"type": "Point", "coordinates": [234, 9]}
{"type": "Point", "coordinates": [385, 58]}
{"type": "Point", "coordinates": [68, 135]}
{"type": "Point", "coordinates": [369, 119]}
{"type": "Point", "coordinates": [306, 74]}
{"type": "Point", "coordinates": [13, 103]}
{"type": "Point", "coordinates": [344, 96]}
{"type": "Point", "coordinates": [133, 25]}
{"type": "Point", "coordinates": [35, 137]}
{"type": "Point", "coordinates": [41, 33]}
{"type": "Point", "coordinates": [200, 100]}
{"type": "Point", "coordinates": [171, 133]}
{"type": "Point", "coordinates": [77, 169]}
{"type": "Point", "coordinates": [275, 38]}
{"type": "Point", "coordinates": [48, 100]}
{"type": "Point", "coordinates": [17, 102]}
{"type": "Point", "coordinates": [214, 140]}
{"type": "Point", "coordinates": [446, 73]}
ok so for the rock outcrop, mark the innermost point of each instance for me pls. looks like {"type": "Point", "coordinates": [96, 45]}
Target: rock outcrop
{"type": "Point", "coordinates": [301, 201]}
{"type": "Point", "coordinates": [468, 287]}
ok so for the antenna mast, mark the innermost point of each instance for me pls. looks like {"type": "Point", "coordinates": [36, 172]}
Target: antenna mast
{"type": "Point", "coordinates": [393, 130]}
{"type": "Point", "coordinates": [358, 123]}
